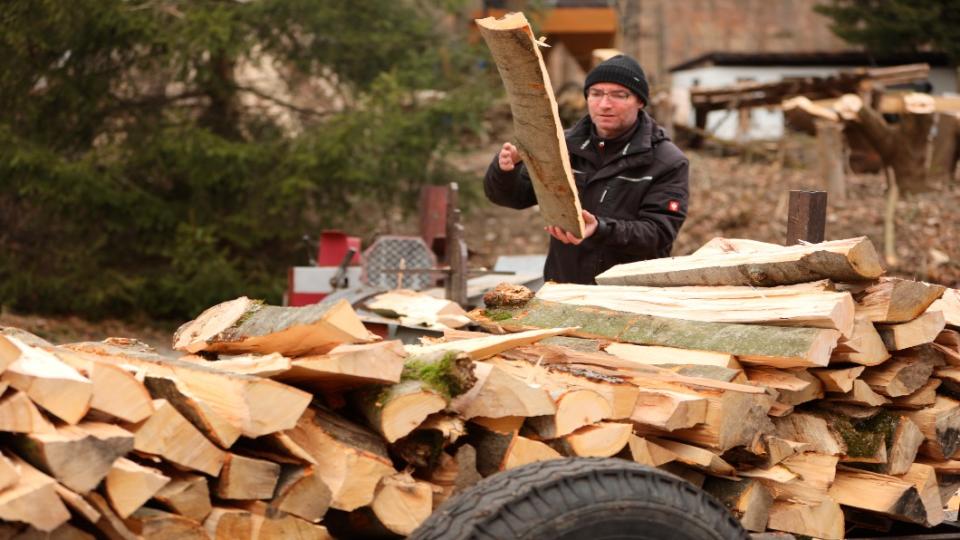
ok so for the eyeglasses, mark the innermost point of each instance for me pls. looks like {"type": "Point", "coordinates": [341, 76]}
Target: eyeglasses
{"type": "Point", "coordinates": [595, 94]}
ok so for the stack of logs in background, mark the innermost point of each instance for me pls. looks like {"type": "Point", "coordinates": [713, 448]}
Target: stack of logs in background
{"type": "Point", "coordinates": [804, 390]}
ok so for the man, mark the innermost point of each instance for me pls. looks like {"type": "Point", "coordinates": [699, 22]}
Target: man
{"type": "Point", "coordinates": [631, 179]}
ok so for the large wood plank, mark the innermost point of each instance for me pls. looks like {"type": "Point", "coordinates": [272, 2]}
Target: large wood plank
{"type": "Point", "coordinates": [853, 259]}
{"type": "Point", "coordinates": [536, 122]}
{"type": "Point", "coordinates": [787, 307]}
{"type": "Point", "coordinates": [765, 345]}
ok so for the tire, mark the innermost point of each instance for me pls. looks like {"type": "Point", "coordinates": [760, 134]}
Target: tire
{"type": "Point", "coordinates": [582, 498]}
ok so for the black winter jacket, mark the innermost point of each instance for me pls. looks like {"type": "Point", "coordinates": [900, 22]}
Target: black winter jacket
{"type": "Point", "coordinates": [636, 186]}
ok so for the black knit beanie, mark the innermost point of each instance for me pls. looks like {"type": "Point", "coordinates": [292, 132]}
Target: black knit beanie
{"type": "Point", "coordinates": [623, 70]}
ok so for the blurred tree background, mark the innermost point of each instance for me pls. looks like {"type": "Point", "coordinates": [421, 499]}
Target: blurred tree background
{"type": "Point", "coordinates": [144, 171]}
{"type": "Point", "coordinates": [891, 26]}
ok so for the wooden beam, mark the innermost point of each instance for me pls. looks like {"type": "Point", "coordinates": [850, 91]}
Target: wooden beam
{"type": "Point", "coordinates": [540, 138]}
{"type": "Point", "coordinates": [853, 259]}
{"type": "Point", "coordinates": [770, 345]}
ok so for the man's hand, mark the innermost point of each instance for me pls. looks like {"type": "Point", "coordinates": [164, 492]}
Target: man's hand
{"type": "Point", "coordinates": [589, 227]}
{"type": "Point", "coordinates": [508, 158]}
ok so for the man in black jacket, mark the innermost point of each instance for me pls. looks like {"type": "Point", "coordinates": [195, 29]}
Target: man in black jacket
{"type": "Point", "coordinates": [631, 179]}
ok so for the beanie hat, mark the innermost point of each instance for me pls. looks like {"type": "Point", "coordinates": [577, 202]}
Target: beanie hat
{"type": "Point", "coordinates": [623, 70]}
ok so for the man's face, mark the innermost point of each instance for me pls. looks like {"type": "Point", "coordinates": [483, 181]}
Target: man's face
{"type": "Point", "coordinates": [613, 108]}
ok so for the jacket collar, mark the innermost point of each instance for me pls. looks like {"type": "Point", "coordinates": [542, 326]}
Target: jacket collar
{"type": "Point", "coordinates": [644, 137]}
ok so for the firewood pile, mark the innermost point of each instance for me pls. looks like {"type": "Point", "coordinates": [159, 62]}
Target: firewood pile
{"type": "Point", "coordinates": [796, 384]}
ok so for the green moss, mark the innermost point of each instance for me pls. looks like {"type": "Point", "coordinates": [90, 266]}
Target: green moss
{"type": "Point", "coordinates": [864, 437]}
{"type": "Point", "coordinates": [497, 314]}
{"type": "Point", "coordinates": [255, 306]}
{"type": "Point", "coordinates": [439, 375]}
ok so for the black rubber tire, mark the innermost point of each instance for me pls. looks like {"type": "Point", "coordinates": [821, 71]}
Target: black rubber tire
{"type": "Point", "coordinates": [592, 499]}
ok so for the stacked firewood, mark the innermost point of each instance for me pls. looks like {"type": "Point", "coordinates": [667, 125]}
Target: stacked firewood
{"type": "Point", "coordinates": [800, 387]}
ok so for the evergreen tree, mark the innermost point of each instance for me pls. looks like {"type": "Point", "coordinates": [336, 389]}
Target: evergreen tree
{"type": "Point", "coordinates": [890, 26]}
{"type": "Point", "coordinates": [136, 173]}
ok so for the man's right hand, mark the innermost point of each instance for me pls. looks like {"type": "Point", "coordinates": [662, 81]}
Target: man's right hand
{"type": "Point", "coordinates": [508, 158]}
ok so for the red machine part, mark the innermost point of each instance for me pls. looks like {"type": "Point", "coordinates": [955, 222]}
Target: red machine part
{"type": "Point", "coordinates": [309, 285]}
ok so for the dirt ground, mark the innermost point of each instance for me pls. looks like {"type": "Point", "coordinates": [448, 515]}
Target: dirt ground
{"type": "Point", "coordinates": [733, 197]}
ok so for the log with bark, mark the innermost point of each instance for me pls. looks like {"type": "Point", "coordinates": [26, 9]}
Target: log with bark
{"type": "Point", "coordinates": [536, 122]}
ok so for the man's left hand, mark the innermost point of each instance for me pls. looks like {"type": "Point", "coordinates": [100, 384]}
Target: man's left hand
{"type": "Point", "coordinates": [589, 227]}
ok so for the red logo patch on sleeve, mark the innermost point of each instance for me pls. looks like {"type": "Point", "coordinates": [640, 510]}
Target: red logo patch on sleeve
{"type": "Point", "coordinates": [673, 206]}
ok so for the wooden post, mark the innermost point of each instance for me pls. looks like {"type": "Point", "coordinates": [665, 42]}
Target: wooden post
{"type": "Point", "coordinates": [830, 145]}
{"type": "Point", "coordinates": [456, 285]}
{"type": "Point", "coordinates": [433, 215]}
{"type": "Point", "coordinates": [807, 218]}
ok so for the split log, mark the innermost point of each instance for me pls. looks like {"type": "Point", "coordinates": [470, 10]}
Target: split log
{"type": "Point", "coordinates": [424, 445]}
{"type": "Point", "coordinates": [118, 393]}
{"type": "Point", "coordinates": [838, 379]}
{"type": "Point", "coordinates": [749, 500]}
{"type": "Point", "coordinates": [48, 381]}
{"type": "Point", "coordinates": [187, 495]}
{"type": "Point", "coordinates": [169, 435]}
{"type": "Point", "coordinates": [347, 367]}
{"type": "Point", "coordinates": [232, 524]}
{"type": "Point", "coordinates": [923, 329]}
{"type": "Point", "coordinates": [895, 300]}
{"type": "Point", "coordinates": [33, 500]}
{"type": "Point", "coordinates": [646, 452]}
{"type": "Point", "coordinates": [940, 425]}
{"type": "Point", "coordinates": [884, 494]}
{"type": "Point", "coordinates": [853, 259]}
{"type": "Point", "coordinates": [256, 405]}
{"type": "Point", "coordinates": [214, 426]}
{"type": "Point", "coordinates": [779, 449]}
{"type": "Point", "coordinates": [267, 365]}
{"type": "Point", "coordinates": [811, 429]}
{"type": "Point", "coordinates": [924, 396]}
{"type": "Point", "coordinates": [556, 370]}
{"type": "Point", "coordinates": [501, 451]}
{"type": "Point", "coordinates": [19, 415]}
{"type": "Point", "coordinates": [280, 527]}
{"type": "Point", "coordinates": [110, 525]}
{"type": "Point", "coordinates": [243, 478]}
{"type": "Point", "coordinates": [864, 347]}
{"type": "Point", "coordinates": [498, 394]}
{"type": "Point", "coordinates": [825, 309]}
{"type": "Point", "coordinates": [949, 304]}
{"type": "Point", "coordinates": [537, 125]}
{"type": "Point", "coordinates": [349, 459]}
{"type": "Point", "coordinates": [78, 504]}
{"type": "Point", "coordinates": [695, 456]}
{"type": "Point", "coordinates": [733, 419]}
{"type": "Point", "coordinates": [153, 524]}
{"type": "Point", "coordinates": [244, 326]}
{"type": "Point", "coordinates": [418, 309]}
{"type": "Point", "coordinates": [485, 347]}
{"type": "Point", "coordinates": [129, 485]}
{"type": "Point", "coordinates": [821, 518]}
{"type": "Point", "coordinates": [669, 410]}
{"type": "Point", "coordinates": [904, 446]}
{"type": "Point", "coordinates": [667, 356]}
{"type": "Point", "coordinates": [454, 474]}
{"type": "Point", "coordinates": [302, 493]}
{"type": "Point", "coordinates": [9, 474]}
{"type": "Point", "coordinates": [79, 456]}
{"type": "Point", "coordinates": [900, 376]}
{"type": "Point", "coordinates": [924, 478]}
{"type": "Point", "coordinates": [772, 345]}
{"type": "Point", "coordinates": [576, 408]}
{"type": "Point", "coordinates": [861, 394]}
{"type": "Point", "coordinates": [793, 387]}
{"type": "Point", "coordinates": [397, 410]}
{"type": "Point", "coordinates": [603, 439]}
{"type": "Point", "coordinates": [402, 503]}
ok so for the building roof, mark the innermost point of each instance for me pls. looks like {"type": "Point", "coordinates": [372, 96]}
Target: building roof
{"type": "Point", "coordinates": [812, 58]}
